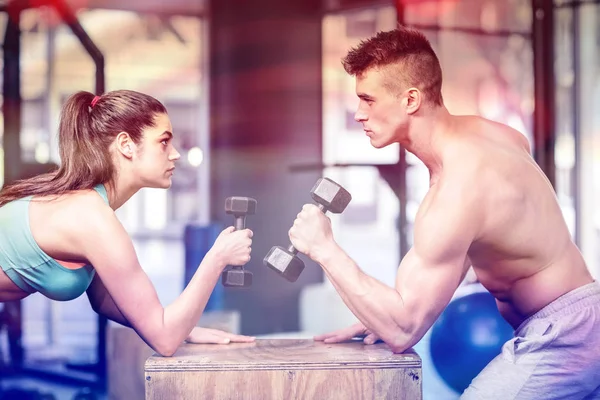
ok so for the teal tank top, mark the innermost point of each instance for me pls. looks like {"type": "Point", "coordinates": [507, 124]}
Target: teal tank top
{"type": "Point", "coordinates": [28, 266]}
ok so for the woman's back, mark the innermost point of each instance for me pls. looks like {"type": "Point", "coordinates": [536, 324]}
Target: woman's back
{"type": "Point", "coordinates": [34, 265]}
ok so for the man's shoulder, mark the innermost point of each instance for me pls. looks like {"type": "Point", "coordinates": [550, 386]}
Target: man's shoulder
{"type": "Point", "coordinates": [476, 141]}
{"type": "Point", "coordinates": [504, 132]}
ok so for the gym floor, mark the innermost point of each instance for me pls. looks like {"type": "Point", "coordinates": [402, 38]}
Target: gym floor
{"type": "Point", "coordinates": [74, 334]}
{"type": "Point", "coordinates": [43, 387]}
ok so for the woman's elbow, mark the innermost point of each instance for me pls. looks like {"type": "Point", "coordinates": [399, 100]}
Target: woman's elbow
{"type": "Point", "coordinates": [165, 349]}
{"type": "Point", "coordinates": [166, 353]}
{"type": "Point", "coordinates": [165, 345]}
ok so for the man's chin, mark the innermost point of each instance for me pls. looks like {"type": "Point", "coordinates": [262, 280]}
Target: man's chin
{"type": "Point", "coordinates": [378, 145]}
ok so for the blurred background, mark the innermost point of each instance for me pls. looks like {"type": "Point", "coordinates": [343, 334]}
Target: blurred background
{"type": "Point", "coordinates": [261, 107]}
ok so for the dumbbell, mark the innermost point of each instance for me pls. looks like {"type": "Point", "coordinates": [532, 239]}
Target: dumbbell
{"type": "Point", "coordinates": [239, 207]}
{"type": "Point", "coordinates": [329, 196]}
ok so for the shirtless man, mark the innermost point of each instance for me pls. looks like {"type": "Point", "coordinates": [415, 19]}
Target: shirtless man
{"type": "Point", "coordinates": [489, 206]}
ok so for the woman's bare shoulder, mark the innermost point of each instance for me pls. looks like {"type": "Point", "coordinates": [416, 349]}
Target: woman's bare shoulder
{"type": "Point", "coordinates": [64, 225]}
{"type": "Point", "coordinates": [74, 211]}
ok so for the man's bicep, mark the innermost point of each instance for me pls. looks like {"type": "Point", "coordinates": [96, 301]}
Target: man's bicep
{"type": "Point", "coordinates": [435, 266]}
{"type": "Point", "coordinates": [444, 232]}
{"type": "Point", "coordinates": [427, 286]}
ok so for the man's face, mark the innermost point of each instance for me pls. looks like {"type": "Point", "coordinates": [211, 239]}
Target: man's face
{"type": "Point", "coordinates": [381, 113]}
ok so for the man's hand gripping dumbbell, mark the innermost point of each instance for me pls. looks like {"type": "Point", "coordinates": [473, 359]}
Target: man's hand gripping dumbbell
{"type": "Point", "coordinates": [329, 196]}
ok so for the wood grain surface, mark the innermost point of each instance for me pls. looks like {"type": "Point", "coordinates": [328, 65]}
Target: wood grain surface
{"type": "Point", "coordinates": [284, 369]}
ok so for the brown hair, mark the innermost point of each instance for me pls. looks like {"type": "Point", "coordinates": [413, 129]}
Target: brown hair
{"type": "Point", "coordinates": [407, 58]}
{"type": "Point", "coordinates": [85, 134]}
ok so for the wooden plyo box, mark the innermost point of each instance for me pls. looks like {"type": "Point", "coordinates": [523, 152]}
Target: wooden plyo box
{"type": "Point", "coordinates": [127, 353]}
{"type": "Point", "coordinates": [284, 369]}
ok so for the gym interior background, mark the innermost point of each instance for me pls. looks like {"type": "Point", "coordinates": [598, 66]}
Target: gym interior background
{"type": "Point", "coordinates": [262, 107]}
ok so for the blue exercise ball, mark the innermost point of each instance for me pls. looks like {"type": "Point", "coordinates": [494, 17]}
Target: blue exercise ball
{"type": "Point", "coordinates": [468, 334]}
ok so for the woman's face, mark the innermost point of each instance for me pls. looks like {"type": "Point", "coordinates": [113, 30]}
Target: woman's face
{"type": "Point", "coordinates": [155, 155]}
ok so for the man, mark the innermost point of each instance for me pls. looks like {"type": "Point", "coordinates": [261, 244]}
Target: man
{"type": "Point", "coordinates": [489, 206]}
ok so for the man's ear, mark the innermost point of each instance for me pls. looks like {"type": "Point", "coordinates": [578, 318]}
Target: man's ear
{"type": "Point", "coordinates": [413, 98]}
{"type": "Point", "coordinates": [125, 145]}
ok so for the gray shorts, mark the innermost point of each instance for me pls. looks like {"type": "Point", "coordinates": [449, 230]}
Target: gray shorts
{"type": "Point", "coordinates": [555, 354]}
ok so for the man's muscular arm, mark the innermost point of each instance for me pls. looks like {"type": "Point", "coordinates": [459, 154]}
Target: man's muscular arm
{"type": "Point", "coordinates": [427, 277]}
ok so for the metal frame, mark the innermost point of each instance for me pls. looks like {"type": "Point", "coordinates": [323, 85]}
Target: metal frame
{"type": "Point", "coordinates": [576, 170]}
{"type": "Point", "coordinates": [544, 129]}
{"type": "Point", "coordinates": [400, 181]}
{"type": "Point", "coordinates": [155, 7]}
{"type": "Point", "coordinates": [15, 169]}
{"type": "Point", "coordinates": [576, 3]}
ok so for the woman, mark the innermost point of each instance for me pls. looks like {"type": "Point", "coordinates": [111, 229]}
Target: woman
{"type": "Point", "coordinates": [59, 234]}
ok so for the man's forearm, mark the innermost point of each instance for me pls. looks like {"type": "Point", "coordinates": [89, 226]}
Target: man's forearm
{"type": "Point", "coordinates": [379, 307]}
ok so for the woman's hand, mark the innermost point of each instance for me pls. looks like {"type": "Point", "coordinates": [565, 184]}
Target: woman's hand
{"type": "Point", "coordinates": [215, 336]}
{"type": "Point", "coordinates": [233, 247]}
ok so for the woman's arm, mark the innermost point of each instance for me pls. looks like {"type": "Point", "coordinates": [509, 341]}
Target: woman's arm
{"type": "Point", "coordinates": [103, 241]}
{"type": "Point", "coordinates": [103, 303]}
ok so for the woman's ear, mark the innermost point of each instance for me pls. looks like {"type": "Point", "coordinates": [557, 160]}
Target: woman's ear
{"type": "Point", "coordinates": [125, 145]}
